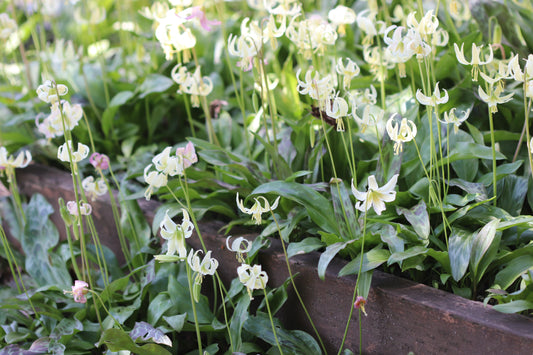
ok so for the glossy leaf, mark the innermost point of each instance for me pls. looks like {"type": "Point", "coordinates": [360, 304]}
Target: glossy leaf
{"type": "Point", "coordinates": [459, 250]}
{"type": "Point", "coordinates": [513, 270]}
{"type": "Point", "coordinates": [318, 207]}
{"type": "Point", "coordinates": [307, 245]}
{"type": "Point", "coordinates": [328, 255]}
{"type": "Point", "coordinates": [371, 260]}
{"type": "Point", "coordinates": [117, 340]}
{"type": "Point", "coordinates": [481, 243]}
{"type": "Point", "coordinates": [418, 217]}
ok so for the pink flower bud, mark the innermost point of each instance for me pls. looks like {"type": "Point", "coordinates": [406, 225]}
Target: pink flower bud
{"type": "Point", "coordinates": [99, 161]}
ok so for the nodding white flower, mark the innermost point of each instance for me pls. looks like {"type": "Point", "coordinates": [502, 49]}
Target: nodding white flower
{"type": "Point", "coordinates": [400, 133]}
{"type": "Point", "coordinates": [243, 47]}
{"type": "Point", "coordinates": [365, 21]}
{"type": "Point", "coordinates": [370, 116]}
{"type": "Point", "coordinates": [176, 234]}
{"type": "Point", "coordinates": [179, 73]}
{"type": "Point", "coordinates": [379, 63]}
{"type": "Point", "coordinates": [311, 35]}
{"type": "Point", "coordinates": [240, 246]}
{"type": "Point", "coordinates": [440, 38]}
{"type": "Point", "coordinates": [256, 210]}
{"type": "Point", "coordinates": [493, 98]}
{"type": "Point", "coordinates": [476, 61]}
{"type": "Point", "coordinates": [514, 69]}
{"type": "Point", "coordinates": [85, 208]}
{"type": "Point", "coordinates": [348, 71]}
{"type": "Point", "coordinates": [342, 16]}
{"type": "Point", "coordinates": [252, 277]}
{"type": "Point", "coordinates": [157, 12]}
{"type": "Point", "coordinates": [338, 108]}
{"type": "Point", "coordinates": [7, 26]}
{"type": "Point", "coordinates": [174, 37]}
{"type": "Point", "coordinates": [427, 25]}
{"type": "Point", "coordinates": [99, 161]}
{"type": "Point", "coordinates": [72, 114]}
{"type": "Point", "coordinates": [188, 155]}
{"type": "Point", "coordinates": [196, 85]}
{"type": "Point", "coordinates": [168, 165]}
{"type": "Point", "coordinates": [417, 45]}
{"type": "Point", "coordinates": [434, 99]}
{"type": "Point", "coordinates": [320, 89]}
{"type": "Point", "coordinates": [283, 8]}
{"type": "Point", "coordinates": [376, 196]}
{"type": "Point", "coordinates": [207, 266]}
{"type": "Point", "coordinates": [451, 118]}
{"type": "Point", "coordinates": [77, 156]}
{"type": "Point", "coordinates": [459, 11]}
{"type": "Point", "coordinates": [49, 92]}
{"type": "Point", "coordinates": [154, 180]}
{"type": "Point", "coordinates": [10, 162]}
{"type": "Point", "coordinates": [94, 188]}
{"type": "Point", "coordinates": [79, 290]}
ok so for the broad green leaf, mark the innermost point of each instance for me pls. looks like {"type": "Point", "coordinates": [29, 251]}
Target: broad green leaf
{"type": "Point", "coordinates": [512, 191]}
{"type": "Point", "coordinates": [371, 260]}
{"type": "Point", "coordinates": [39, 237]}
{"type": "Point", "coordinates": [514, 306]}
{"type": "Point", "coordinates": [459, 250]}
{"type": "Point", "coordinates": [307, 245]}
{"type": "Point", "coordinates": [389, 235]}
{"type": "Point", "coordinates": [466, 169]}
{"type": "Point", "coordinates": [418, 217]}
{"type": "Point", "coordinates": [476, 189]}
{"type": "Point", "coordinates": [465, 150]}
{"type": "Point", "coordinates": [318, 207]}
{"type": "Point", "coordinates": [291, 341]}
{"type": "Point", "coordinates": [513, 270]}
{"type": "Point", "coordinates": [154, 83]}
{"type": "Point", "coordinates": [158, 306]}
{"type": "Point", "coordinates": [344, 211]}
{"type": "Point", "coordinates": [328, 255]}
{"type": "Point", "coordinates": [117, 340]}
{"type": "Point", "coordinates": [240, 315]}
{"type": "Point", "coordinates": [481, 243]}
{"type": "Point", "coordinates": [398, 257]}
{"type": "Point", "coordinates": [176, 322]}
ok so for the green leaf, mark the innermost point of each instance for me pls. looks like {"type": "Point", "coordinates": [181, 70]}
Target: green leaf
{"type": "Point", "coordinates": [158, 306]}
{"type": "Point", "coordinates": [389, 235]}
{"type": "Point", "coordinates": [154, 83]}
{"type": "Point", "coordinates": [240, 315]}
{"type": "Point", "coordinates": [328, 255]}
{"type": "Point", "coordinates": [459, 250]}
{"type": "Point", "coordinates": [514, 306]}
{"type": "Point", "coordinates": [176, 322]}
{"type": "Point", "coordinates": [466, 150]}
{"type": "Point", "coordinates": [398, 257]}
{"type": "Point", "coordinates": [418, 217]}
{"type": "Point", "coordinates": [291, 341]}
{"type": "Point", "coordinates": [318, 207]}
{"type": "Point", "coordinates": [512, 191]}
{"type": "Point", "coordinates": [371, 260]}
{"type": "Point", "coordinates": [117, 340]}
{"type": "Point", "coordinates": [480, 244]}
{"type": "Point", "coordinates": [40, 236]}
{"type": "Point", "coordinates": [307, 245]}
{"type": "Point", "coordinates": [344, 211]}
{"type": "Point", "coordinates": [147, 332]}
{"type": "Point", "coordinates": [513, 270]}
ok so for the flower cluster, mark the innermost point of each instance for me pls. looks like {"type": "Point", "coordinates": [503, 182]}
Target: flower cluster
{"type": "Point", "coordinates": [63, 116]}
{"type": "Point", "coordinates": [168, 165]}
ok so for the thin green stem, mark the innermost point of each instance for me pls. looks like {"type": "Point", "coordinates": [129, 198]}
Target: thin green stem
{"type": "Point", "coordinates": [272, 322]}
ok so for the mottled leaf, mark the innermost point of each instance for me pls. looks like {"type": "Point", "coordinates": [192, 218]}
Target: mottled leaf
{"type": "Point", "coordinates": [146, 332]}
{"type": "Point", "coordinates": [459, 250]}
{"type": "Point", "coordinates": [418, 217]}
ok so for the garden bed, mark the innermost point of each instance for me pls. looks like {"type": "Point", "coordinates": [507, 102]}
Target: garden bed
{"type": "Point", "coordinates": [402, 316]}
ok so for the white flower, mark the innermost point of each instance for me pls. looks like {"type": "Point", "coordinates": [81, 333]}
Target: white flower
{"type": "Point", "coordinates": [240, 246]}
{"type": "Point", "coordinates": [493, 98]}
{"type": "Point", "coordinates": [256, 210]}
{"type": "Point", "coordinates": [400, 133]}
{"type": "Point", "coordinates": [252, 277]}
{"type": "Point", "coordinates": [188, 155]}
{"type": "Point", "coordinates": [176, 234]}
{"type": "Point", "coordinates": [433, 100]}
{"type": "Point", "coordinates": [168, 165]}
{"type": "Point", "coordinates": [476, 58]}
{"type": "Point", "coordinates": [94, 188]}
{"type": "Point", "coordinates": [321, 89]}
{"type": "Point", "coordinates": [337, 109]}
{"type": "Point", "coordinates": [427, 25]}
{"type": "Point", "coordinates": [10, 162]}
{"type": "Point", "coordinates": [85, 208]}
{"type": "Point", "coordinates": [341, 16]}
{"type": "Point", "coordinates": [77, 156]}
{"type": "Point", "coordinates": [7, 26]}
{"type": "Point", "coordinates": [376, 196]}
{"type": "Point", "coordinates": [207, 266]}
{"type": "Point", "coordinates": [49, 92]}
{"type": "Point", "coordinates": [348, 72]}
{"type": "Point", "coordinates": [154, 180]}
{"type": "Point", "coordinates": [451, 118]}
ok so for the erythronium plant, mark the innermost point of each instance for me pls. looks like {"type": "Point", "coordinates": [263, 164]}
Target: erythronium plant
{"type": "Point", "coordinates": [270, 103]}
